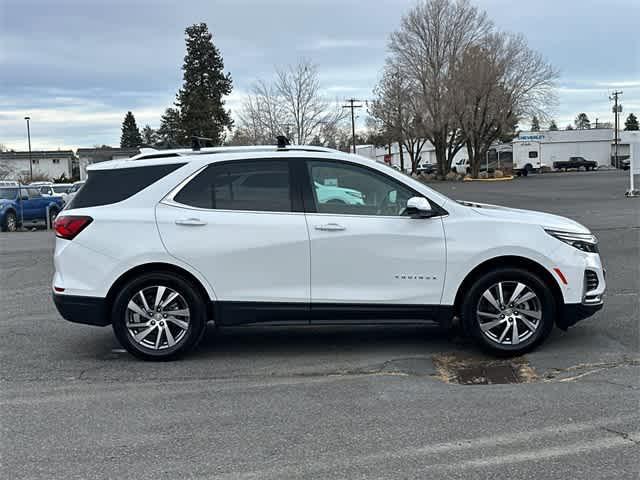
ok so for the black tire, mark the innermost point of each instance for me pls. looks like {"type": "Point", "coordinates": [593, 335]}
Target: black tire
{"type": "Point", "coordinates": [471, 303]}
{"type": "Point", "coordinates": [525, 172]}
{"type": "Point", "coordinates": [10, 223]}
{"type": "Point", "coordinates": [53, 213]}
{"type": "Point", "coordinates": [196, 323]}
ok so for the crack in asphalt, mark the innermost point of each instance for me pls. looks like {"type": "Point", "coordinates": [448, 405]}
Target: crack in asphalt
{"type": "Point", "coordinates": [624, 435]}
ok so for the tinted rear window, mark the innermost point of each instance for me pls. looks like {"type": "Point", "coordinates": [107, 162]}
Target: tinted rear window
{"type": "Point", "coordinates": [262, 185]}
{"type": "Point", "coordinates": [110, 186]}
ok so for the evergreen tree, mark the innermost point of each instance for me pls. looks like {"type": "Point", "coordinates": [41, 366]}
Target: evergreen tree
{"type": "Point", "coordinates": [131, 137]}
{"type": "Point", "coordinates": [535, 124]}
{"type": "Point", "coordinates": [582, 121]}
{"type": "Point", "coordinates": [569, 127]}
{"type": "Point", "coordinates": [552, 126]}
{"type": "Point", "coordinates": [200, 100]}
{"type": "Point", "coordinates": [169, 134]}
{"type": "Point", "coordinates": [149, 136]}
{"type": "Point", "coordinates": [631, 123]}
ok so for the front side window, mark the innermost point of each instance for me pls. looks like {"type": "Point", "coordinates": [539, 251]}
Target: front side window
{"type": "Point", "coordinates": [252, 185]}
{"type": "Point", "coordinates": [33, 193]}
{"type": "Point", "coordinates": [344, 188]}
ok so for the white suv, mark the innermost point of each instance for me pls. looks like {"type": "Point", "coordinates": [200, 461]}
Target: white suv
{"type": "Point", "coordinates": [248, 235]}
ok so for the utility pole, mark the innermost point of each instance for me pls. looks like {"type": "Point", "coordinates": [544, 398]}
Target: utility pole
{"type": "Point", "coordinates": [352, 106]}
{"type": "Point", "coordinates": [616, 110]}
{"type": "Point", "coordinates": [29, 139]}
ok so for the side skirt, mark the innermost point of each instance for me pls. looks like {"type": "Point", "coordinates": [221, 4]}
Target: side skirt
{"type": "Point", "coordinates": [288, 313]}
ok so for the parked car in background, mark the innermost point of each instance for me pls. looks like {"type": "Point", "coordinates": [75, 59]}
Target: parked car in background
{"type": "Point", "coordinates": [248, 235]}
{"type": "Point", "coordinates": [57, 189]}
{"type": "Point", "coordinates": [26, 206]}
{"type": "Point", "coordinates": [461, 166]}
{"type": "Point", "coordinates": [39, 184]}
{"type": "Point", "coordinates": [9, 183]}
{"type": "Point", "coordinates": [575, 162]}
{"type": "Point", "coordinates": [73, 190]}
{"type": "Point", "coordinates": [426, 168]}
{"type": "Point", "coordinates": [335, 194]}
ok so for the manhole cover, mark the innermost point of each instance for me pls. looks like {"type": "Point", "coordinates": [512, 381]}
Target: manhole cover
{"type": "Point", "coordinates": [454, 368]}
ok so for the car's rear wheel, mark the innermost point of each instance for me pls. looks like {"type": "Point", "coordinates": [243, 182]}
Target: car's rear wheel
{"type": "Point", "coordinates": [159, 316]}
{"type": "Point", "coordinates": [10, 222]}
{"type": "Point", "coordinates": [509, 311]}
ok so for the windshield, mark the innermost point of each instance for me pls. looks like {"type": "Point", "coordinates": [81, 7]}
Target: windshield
{"type": "Point", "coordinates": [60, 188]}
{"type": "Point", "coordinates": [8, 193]}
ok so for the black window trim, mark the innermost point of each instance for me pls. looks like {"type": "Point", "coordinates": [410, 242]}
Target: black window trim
{"type": "Point", "coordinates": [294, 187]}
{"type": "Point", "coordinates": [309, 197]}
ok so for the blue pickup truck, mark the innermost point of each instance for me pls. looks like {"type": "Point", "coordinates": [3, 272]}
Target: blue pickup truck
{"type": "Point", "coordinates": [25, 206]}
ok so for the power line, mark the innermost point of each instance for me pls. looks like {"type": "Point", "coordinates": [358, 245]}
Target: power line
{"type": "Point", "coordinates": [352, 105]}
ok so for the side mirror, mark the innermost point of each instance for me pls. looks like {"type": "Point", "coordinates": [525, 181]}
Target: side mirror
{"type": "Point", "coordinates": [419, 207]}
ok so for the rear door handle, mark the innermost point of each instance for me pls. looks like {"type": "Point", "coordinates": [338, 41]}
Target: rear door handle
{"type": "Point", "coordinates": [330, 227]}
{"type": "Point", "coordinates": [190, 222]}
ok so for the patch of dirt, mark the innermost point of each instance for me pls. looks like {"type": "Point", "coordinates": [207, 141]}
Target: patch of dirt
{"type": "Point", "coordinates": [470, 370]}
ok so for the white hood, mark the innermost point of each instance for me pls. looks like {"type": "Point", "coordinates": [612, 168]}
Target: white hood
{"type": "Point", "coordinates": [546, 220]}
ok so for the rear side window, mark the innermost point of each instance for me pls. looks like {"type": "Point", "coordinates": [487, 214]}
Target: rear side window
{"type": "Point", "coordinates": [533, 154]}
{"type": "Point", "coordinates": [262, 185]}
{"type": "Point", "coordinates": [104, 187]}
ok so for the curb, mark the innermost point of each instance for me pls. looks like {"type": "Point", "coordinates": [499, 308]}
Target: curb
{"type": "Point", "coordinates": [467, 179]}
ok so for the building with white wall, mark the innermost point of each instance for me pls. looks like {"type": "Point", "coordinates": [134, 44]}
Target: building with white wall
{"type": "Point", "coordinates": [87, 156]}
{"type": "Point", "coordinates": [554, 146]}
{"type": "Point", "coordinates": [45, 163]}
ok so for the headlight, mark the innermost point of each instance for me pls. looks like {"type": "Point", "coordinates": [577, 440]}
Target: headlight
{"type": "Point", "coordinates": [586, 242]}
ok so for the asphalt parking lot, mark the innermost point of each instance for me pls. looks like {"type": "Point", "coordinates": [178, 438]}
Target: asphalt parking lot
{"type": "Point", "coordinates": [329, 402]}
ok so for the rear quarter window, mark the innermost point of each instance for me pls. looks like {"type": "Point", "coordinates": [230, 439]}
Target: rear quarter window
{"type": "Point", "coordinates": [104, 187]}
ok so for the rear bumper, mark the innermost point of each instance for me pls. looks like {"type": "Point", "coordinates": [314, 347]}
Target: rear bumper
{"type": "Point", "coordinates": [572, 313]}
{"type": "Point", "coordinates": [87, 310]}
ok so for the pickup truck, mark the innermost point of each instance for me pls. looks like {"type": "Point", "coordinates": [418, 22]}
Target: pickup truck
{"type": "Point", "coordinates": [575, 162]}
{"type": "Point", "coordinates": [23, 206]}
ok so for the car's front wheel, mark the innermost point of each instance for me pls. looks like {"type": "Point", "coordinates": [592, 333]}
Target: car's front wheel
{"type": "Point", "coordinates": [159, 316]}
{"type": "Point", "coordinates": [509, 311]}
{"type": "Point", "coordinates": [10, 222]}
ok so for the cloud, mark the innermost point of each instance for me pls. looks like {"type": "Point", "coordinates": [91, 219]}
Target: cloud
{"type": "Point", "coordinates": [77, 66]}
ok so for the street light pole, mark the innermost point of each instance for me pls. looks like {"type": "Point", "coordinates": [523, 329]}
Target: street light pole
{"type": "Point", "coordinates": [29, 139]}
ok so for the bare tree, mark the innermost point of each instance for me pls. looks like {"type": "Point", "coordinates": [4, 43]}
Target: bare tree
{"type": "Point", "coordinates": [6, 170]}
{"type": "Point", "coordinates": [498, 80]}
{"type": "Point", "coordinates": [291, 105]}
{"type": "Point", "coordinates": [430, 39]}
{"type": "Point", "coordinates": [396, 113]}
{"type": "Point", "coordinates": [309, 111]}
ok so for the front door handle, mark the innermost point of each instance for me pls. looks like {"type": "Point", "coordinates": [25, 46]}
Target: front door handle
{"type": "Point", "coordinates": [330, 227]}
{"type": "Point", "coordinates": [190, 222]}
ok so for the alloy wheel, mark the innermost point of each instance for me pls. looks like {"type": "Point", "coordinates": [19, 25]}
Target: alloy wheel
{"type": "Point", "coordinates": [509, 313]}
{"type": "Point", "coordinates": [12, 224]}
{"type": "Point", "coordinates": [157, 317]}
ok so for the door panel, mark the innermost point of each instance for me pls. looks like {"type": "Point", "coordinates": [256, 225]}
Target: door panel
{"type": "Point", "coordinates": [245, 256]}
{"type": "Point", "coordinates": [235, 223]}
{"type": "Point", "coordinates": [364, 249]}
{"type": "Point", "coordinates": [377, 260]}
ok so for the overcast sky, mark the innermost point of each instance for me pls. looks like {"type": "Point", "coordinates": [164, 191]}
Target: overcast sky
{"type": "Point", "coordinates": [77, 66]}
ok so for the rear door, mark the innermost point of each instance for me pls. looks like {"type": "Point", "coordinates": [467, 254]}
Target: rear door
{"type": "Point", "coordinates": [240, 223]}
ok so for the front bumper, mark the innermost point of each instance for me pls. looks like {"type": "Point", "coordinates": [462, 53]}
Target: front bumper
{"type": "Point", "coordinates": [572, 313]}
{"type": "Point", "coordinates": [87, 310]}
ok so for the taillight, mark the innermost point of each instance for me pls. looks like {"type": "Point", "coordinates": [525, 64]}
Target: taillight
{"type": "Point", "coordinates": [69, 226]}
